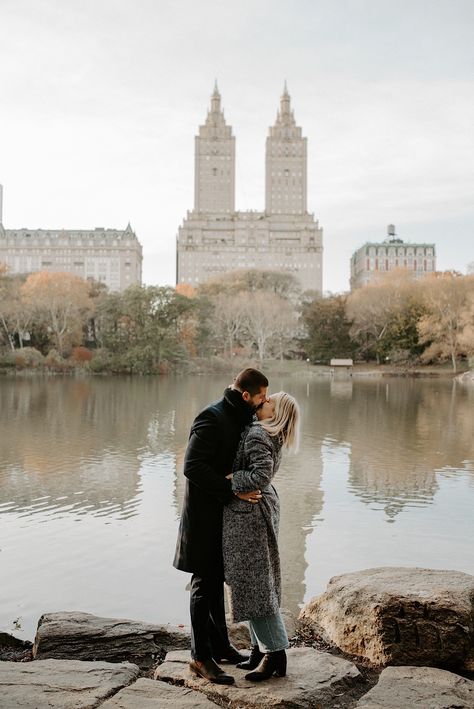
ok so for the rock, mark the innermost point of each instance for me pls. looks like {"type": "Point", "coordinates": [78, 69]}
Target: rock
{"type": "Point", "coordinates": [314, 679]}
{"type": "Point", "coordinates": [15, 649]}
{"type": "Point", "coordinates": [397, 616]}
{"type": "Point", "coordinates": [150, 694]}
{"type": "Point", "coordinates": [13, 643]}
{"type": "Point", "coordinates": [290, 622]}
{"type": "Point", "coordinates": [415, 687]}
{"type": "Point", "coordinates": [65, 684]}
{"type": "Point", "coordinates": [83, 636]}
{"type": "Point", "coordinates": [239, 634]}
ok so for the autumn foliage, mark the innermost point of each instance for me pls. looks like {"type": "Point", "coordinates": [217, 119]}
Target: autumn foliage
{"type": "Point", "coordinates": [58, 321]}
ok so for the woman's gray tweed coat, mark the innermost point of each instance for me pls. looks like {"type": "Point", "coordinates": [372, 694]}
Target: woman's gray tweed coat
{"type": "Point", "coordinates": [250, 531]}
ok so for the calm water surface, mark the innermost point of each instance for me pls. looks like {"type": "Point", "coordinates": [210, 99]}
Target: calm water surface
{"type": "Point", "coordinates": [91, 487]}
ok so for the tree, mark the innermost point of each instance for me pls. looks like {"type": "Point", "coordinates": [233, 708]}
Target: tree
{"type": "Point", "coordinates": [384, 315]}
{"type": "Point", "coordinates": [253, 308]}
{"type": "Point", "coordinates": [251, 281]}
{"type": "Point", "coordinates": [327, 328]}
{"type": "Point", "coordinates": [60, 301]}
{"type": "Point", "coordinates": [13, 319]}
{"type": "Point", "coordinates": [229, 317]}
{"type": "Point", "coordinates": [447, 326]}
{"type": "Point", "coordinates": [145, 326]}
{"type": "Point", "coordinates": [269, 321]}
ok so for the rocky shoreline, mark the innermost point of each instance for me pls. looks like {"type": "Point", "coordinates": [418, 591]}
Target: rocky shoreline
{"type": "Point", "coordinates": [376, 639]}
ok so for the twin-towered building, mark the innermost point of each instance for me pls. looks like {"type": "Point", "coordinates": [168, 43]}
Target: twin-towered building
{"type": "Point", "coordinates": [215, 238]}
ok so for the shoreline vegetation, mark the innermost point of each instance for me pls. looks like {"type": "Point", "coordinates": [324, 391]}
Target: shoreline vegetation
{"type": "Point", "coordinates": [58, 323]}
{"type": "Point", "coordinates": [229, 367]}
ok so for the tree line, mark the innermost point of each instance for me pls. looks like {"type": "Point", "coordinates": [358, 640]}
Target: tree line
{"type": "Point", "coordinates": [60, 321]}
{"type": "Point", "coordinates": [396, 319]}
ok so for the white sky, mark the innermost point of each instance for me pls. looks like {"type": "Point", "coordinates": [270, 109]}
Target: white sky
{"type": "Point", "coordinates": [100, 101]}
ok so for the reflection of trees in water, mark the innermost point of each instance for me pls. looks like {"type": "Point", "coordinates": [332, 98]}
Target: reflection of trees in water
{"type": "Point", "coordinates": [401, 433]}
{"type": "Point", "coordinates": [63, 436]}
{"type": "Point", "coordinates": [76, 442]}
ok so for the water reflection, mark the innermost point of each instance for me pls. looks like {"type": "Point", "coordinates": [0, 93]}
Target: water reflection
{"type": "Point", "coordinates": [71, 446]}
{"type": "Point", "coordinates": [401, 435]}
{"type": "Point", "coordinates": [110, 450]}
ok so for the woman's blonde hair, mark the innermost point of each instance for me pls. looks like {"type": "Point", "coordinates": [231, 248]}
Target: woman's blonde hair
{"type": "Point", "coordinates": [285, 421]}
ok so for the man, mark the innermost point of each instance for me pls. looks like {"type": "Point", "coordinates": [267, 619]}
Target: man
{"type": "Point", "coordinates": [212, 446]}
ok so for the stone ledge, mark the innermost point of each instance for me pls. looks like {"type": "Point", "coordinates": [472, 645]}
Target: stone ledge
{"type": "Point", "coordinates": [314, 679]}
{"type": "Point", "coordinates": [150, 694]}
{"type": "Point", "coordinates": [61, 684]}
{"type": "Point", "coordinates": [419, 687]}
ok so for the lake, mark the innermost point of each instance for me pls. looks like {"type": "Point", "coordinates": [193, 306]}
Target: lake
{"type": "Point", "coordinates": [91, 487]}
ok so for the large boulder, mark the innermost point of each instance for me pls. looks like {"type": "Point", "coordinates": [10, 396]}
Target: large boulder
{"type": "Point", "coordinates": [397, 616]}
{"type": "Point", "coordinates": [61, 684]}
{"type": "Point", "coordinates": [83, 636]}
{"type": "Point", "coordinates": [417, 687]}
{"type": "Point", "coordinates": [314, 679]}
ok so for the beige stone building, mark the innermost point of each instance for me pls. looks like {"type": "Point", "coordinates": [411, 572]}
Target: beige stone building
{"type": "Point", "coordinates": [215, 239]}
{"type": "Point", "coordinates": [111, 256]}
{"type": "Point", "coordinates": [373, 259]}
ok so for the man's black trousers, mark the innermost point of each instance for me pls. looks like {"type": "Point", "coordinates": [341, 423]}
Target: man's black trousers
{"type": "Point", "coordinates": [208, 627]}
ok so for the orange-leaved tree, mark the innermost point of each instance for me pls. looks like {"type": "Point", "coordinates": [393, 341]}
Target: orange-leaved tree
{"type": "Point", "coordinates": [61, 302]}
{"type": "Point", "coordinates": [448, 326]}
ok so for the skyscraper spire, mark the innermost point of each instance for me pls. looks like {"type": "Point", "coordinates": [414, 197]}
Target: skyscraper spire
{"type": "Point", "coordinates": [285, 114]}
{"type": "Point", "coordinates": [214, 189]}
{"type": "Point", "coordinates": [285, 180]}
{"type": "Point", "coordinates": [215, 99]}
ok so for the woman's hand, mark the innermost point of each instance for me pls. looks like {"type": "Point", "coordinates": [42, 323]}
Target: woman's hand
{"type": "Point", "coordinates": [254, 496]}
{"type": "Point", "coordinates": [230, 476]}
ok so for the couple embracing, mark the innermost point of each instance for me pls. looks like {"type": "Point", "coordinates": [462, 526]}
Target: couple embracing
{"type": "Point", "coordinates": [229, 527]}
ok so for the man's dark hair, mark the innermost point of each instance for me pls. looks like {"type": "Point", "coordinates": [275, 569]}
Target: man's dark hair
{"type": "Point", "coordinates": [250, 380]}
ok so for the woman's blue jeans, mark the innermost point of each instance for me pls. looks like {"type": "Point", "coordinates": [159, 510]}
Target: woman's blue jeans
{"type": "Point", "coordinates": [268, 633]}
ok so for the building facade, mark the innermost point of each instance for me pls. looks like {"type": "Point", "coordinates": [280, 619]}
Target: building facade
{"type": "Point", "coordinates": [215, 239]}
{"type": "Point", "coordinates": [110, 256]}
{"type": "Point", "coordinates": [374, 259]}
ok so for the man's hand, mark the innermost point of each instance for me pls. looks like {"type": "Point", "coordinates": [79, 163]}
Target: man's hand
{"type": "Point", "coordinates": [253, 497]}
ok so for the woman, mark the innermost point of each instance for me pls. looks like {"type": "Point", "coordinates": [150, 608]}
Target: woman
{"type": "Point", "coordinates": [250, 535]}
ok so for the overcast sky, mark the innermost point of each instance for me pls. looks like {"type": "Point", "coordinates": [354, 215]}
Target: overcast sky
{"type": "Point", "coordinates": [100, 101]}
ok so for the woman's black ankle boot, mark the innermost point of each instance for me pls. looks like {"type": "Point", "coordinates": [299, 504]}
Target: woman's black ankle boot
{"type": "Point", "coordinates": [272, 663]}
{"type": "Point", "coordinates": [254, 660]}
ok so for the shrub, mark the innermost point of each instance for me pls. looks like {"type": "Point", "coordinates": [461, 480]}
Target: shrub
{"type": "Point", "coordinates": [28, 357]}
{"type": "Point", "coordinates": [100, 362]}
{"type": "Point", "coordinates": [7, 360]}
{"type": "Point", "coordinates": [56, 363]}
{"type": "Point", "coordinates": [81, 354]}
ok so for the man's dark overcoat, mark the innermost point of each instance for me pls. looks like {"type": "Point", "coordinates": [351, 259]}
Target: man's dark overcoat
{"type": "Point", "coordinates": [212, 446]}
